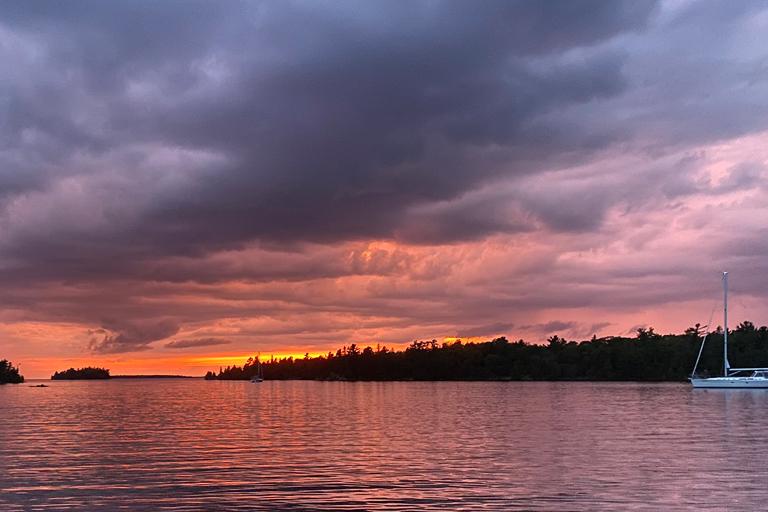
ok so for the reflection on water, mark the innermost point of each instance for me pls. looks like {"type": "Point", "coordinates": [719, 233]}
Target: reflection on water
{"type": "Point", "coordinates": [300, 446]}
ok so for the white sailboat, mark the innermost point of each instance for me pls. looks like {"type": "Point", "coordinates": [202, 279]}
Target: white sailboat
{"type": "Point", "coordinates": [733, 378]}
{"type": "Point", "coordinates": [259, 377]}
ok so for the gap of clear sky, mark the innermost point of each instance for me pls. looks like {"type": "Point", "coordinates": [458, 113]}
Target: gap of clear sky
{"type": "Point", "coordinates": [184, 183]}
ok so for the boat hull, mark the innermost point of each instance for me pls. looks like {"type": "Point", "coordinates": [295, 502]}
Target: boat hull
{"type": "Point", "coordinates": [731, 383]}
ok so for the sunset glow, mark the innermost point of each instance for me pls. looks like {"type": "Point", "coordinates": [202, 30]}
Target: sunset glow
{"type": "Point", "coordinates": [226, 192]}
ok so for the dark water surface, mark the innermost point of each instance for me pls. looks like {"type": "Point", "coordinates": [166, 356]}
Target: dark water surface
{"type": "Point", "coordinates": [300, 446]}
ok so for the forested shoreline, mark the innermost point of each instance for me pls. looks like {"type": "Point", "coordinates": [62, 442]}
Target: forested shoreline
{"type": "Point", "coordinates": [647, 356]}
{"type": "Point", "coordinates": [88, 373]}
{"type": "Point", "coordinates": [9, 374]}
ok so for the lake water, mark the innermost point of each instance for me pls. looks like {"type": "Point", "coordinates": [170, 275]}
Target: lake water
{"type": "Point", "coordinates": [307, 446]}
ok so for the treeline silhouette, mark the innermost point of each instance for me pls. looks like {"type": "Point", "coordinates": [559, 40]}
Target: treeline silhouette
{"type": "Point", "coordinates": [648, 356]}
{"type": "Point", "coordinates": [9, 374]}
{"type": "Point", "coordinates": [87, 373]}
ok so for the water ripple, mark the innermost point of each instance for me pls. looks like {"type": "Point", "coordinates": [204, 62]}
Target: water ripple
{"type": "Point", "coordinates": [183, 445]}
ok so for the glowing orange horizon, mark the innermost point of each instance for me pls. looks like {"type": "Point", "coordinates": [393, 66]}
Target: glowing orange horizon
{"type": "Point", "coordinates": [27, 341]}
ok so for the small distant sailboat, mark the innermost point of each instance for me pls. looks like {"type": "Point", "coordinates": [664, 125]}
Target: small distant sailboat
{"type": "Point", "coordinates": [259, 377]}
{"type": "Point", "coordinates": [732, 377]}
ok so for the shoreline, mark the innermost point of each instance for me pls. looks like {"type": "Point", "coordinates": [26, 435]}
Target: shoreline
{"type": "Point", "coordinates": [351, 381]}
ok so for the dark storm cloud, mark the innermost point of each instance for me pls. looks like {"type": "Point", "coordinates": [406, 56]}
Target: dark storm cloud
{"type": "Point", "coordinates": [486, 330]}
{"type": "Point", "coordinates": [197, 342]}
{"type": "Point", "coordinates": [151, 151]}
{"type": "Point", "coordinates": [329, 122]}
{"type": "Point", "coordinates": [551, 327]}
{"type": "Point", "coordinates": [130, 336]}
{"type": "Point", "coordinates": [595, 328]}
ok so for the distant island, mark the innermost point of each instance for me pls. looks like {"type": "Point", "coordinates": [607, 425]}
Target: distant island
{"type": "Point", "coordinates": [647, 356]}
{"type": "Point", "coordinates": [9, 374]}
{"type": "Point", "coordinates": [91, 373]}
{"type": "Point", "coordinates": [88, 373]}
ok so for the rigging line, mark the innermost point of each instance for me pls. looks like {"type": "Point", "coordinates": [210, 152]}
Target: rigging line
{"type": "Point", "coordinates": [711, 314]}
{"type": "Point", "coordinates": [715, 302]}
{"type": "Point", "coordinates": [701, 349]}
{"type": "Point", "coordinates": [745, 308]}
{"type": "Point", "coordinates": [704, 339]}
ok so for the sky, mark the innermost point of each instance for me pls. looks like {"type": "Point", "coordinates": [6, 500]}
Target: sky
{"type": "Point", "coordinates": [184, 184]}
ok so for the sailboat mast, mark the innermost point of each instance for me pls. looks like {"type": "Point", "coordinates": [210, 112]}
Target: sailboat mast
{"type": "Point", "coordinates": [726, 365]}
